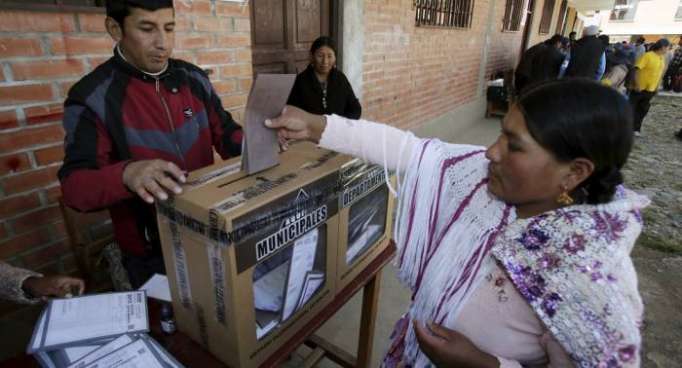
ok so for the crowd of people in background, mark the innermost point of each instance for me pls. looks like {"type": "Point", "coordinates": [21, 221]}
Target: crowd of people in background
{"type": "Point", "coordinates": [637, 70]}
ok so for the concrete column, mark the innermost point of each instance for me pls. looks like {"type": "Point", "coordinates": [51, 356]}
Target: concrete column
{"type": "Point", "coordinates": [484, 57]}
{"type": "Point", "coordinates": [352, 31]}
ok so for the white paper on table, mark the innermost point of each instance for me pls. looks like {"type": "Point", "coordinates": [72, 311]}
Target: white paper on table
{"type": "Point", "coordinates": [267, 291]}
{"type": "Point", "coordinates": [302, 262]}
{"type": "Point", "coordinates": [266, 328]}
{"type": "Point", "coordinates": [157, 287]}
{"type": "Point", "coordinates": [162, 353]}
{"type": "Point", "coordinates": [36, 339]}
{"type": "Point", "coordinates": [94, 317]}
{"type": "Point", "coordinates": [73, 354]}
{"type": "Point", "coordinates": [45, 359]}
{"type": "Point", "coordinates": [105, 349]}
{"type": "Point", "coordinates": [138, 354]}
{"type": "Point", "coordinates": [361, 242]}
{"type": "Point", "coordinates": [313, 282]}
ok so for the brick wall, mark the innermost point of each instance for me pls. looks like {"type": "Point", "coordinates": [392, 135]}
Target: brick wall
{"type": "Point", "coordinates": [414, 74]}
{"type": "Point", "coordinates": [41, 56]}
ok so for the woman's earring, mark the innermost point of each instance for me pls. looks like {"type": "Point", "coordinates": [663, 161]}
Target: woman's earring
{"type": "Point", "coordinates": [564, 198]}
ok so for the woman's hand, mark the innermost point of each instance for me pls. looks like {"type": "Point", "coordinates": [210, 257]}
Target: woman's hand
{"type": "Point", "coordinates": [53, 286]}
{"type": "Point", "coordinates": [448, 348]}
{"type": "Point", "coordinates": [297, 124]}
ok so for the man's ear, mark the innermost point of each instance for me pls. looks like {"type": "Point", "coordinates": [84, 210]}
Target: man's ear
{"type": "Point", "coordinates": [114, 29]}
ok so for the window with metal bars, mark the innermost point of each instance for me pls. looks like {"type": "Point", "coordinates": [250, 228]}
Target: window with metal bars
{"type": "Point", "coordinates": [444, 13]}
{"type": "Point", "coordinates": [513, 13]}
{"type": "Point", "coordinates": [546, 20]}
{"type": "Point", "coordinates": [563, 11]}
{"type": "Point", "coordinates": [59, 5]}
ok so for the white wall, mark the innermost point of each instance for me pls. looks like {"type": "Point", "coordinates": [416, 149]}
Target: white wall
{"type": "Point", "coordinates": [655, 17]}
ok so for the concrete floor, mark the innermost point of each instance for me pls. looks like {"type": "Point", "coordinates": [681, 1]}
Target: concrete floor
{"type": "Point", "coordinates": [464, 126]}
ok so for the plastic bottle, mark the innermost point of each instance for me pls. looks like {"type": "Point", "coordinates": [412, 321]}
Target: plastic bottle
{"type": "Point", "coordinates": [167, 320]}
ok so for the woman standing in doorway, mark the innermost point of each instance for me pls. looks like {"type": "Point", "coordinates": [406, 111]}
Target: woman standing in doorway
{"type": "Point", "coordinates": [323, 89]}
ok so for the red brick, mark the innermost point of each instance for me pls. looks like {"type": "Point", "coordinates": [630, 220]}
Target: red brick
{"type": "Point", "coordinates": [92, 22]}
{"type": "Point", "coordinates": [24, 21]}
{"type": "Point", "coordinates": [11, 206]}
{"type": "Point", "coordinates": [81, 45]}
{"type": "Point", "coordinates": [30, 180]}
{"type": "Point", "coordinates": [44, 114]}
{"type": "Point", "coordinates": [242, 25]}
{"type": "Point", "coordinates": [25, 93]}
{"type": "Point", "coordinates": [64, 88]}
{"type": "Point", "coordinates": [53, 194]}
{"type": "Point", "coordinates": [201, 7]}
{"type": "Point", "coordinates": [8, 119]}
{"type": "Point", "coordinates": [243, 56]}
{"type": "Point", "coordinates": [10, 47]}
{"type": "Point", "coordinates": [225, 87]}
{"type": "Point", "coordinates": [14, 163]}
{"type": "Point", "coordinates": [2, 75]}
{"type": "Point", "coordinates": [3, 231]}
{"type": "Point", "coordinates": [228, 9]}
{"type": "Point", "coordinates": [49, 155]}
{"type": "Point", "coordinates": [46, 255]}
{"type": "Point", "coordinates": [12, 246]}
{"type": "Point", "coordinates": [48, 69]}
{"type": "Point", "coordinates": [182, 23]}
{"type": "Point", "coordinates": [36, 219]}
{"type": "Point", "coordinates": [97, 61]}
{"type": "Point", "coordinates": [233, 40]}
{"type": "Point", "coordinates": [245, 85]}
{"type": "Point", "coordinates": [236, 70]}
{"type": "Point", "coordinates": [207, 24]}
{"type": "Point", "coordinates": [59, 230]}
{"type": "Point", "coordinates": [230, 102]}
{"type": "Point", "coordinates": [214, 57]}
{"type": "Point", "coordinates": [23, 138]}
{"type": "Point", "coordinates": [192, 42]}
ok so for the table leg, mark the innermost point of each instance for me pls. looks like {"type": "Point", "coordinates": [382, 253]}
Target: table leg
{"type": "Point", "coordinates": [370, 300]}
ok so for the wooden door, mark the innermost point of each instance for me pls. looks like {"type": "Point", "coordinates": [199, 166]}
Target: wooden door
{"type": "Point", "coordinates": [283, 30]}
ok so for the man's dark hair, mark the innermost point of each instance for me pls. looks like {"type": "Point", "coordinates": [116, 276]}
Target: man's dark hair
{"type": "Point", "coordinates": [663, 42]}
{"type": "Point", "coordinates": [605, 39]}
{"type": "Point", "coordinates": [576, 117]}
{"type": "Point", "coordinates": [640, 40]}
{"type": "Point", "coordinates": [120, 9]}
{"type": "Point", "coordinates": [574, 33]}
{"type": "Point", "coordinates": [554, 40]}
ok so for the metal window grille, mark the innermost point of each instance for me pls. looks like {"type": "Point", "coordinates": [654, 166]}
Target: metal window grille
{"type": "Point", "coordinates": [546, 20]}
{"type": "Point", "coordinates": [444, 13]}
{"type": "Point", "coordinates": [513, 13]}
{"type": "Point", "coordinates": [56, 5]}
{"type": "Point", "coordinates": [563, 11]}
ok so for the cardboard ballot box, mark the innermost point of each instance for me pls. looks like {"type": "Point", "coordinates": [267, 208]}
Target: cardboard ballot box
{"type": "Point", "coordinates": [251, 259]}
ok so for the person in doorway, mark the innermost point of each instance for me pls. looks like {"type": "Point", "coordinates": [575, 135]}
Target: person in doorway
{"type": "Point", "coordinates": [322, 88]}
{"type": "Point", "coordinates": [572, 38]}
{"type": "Point", "coordinates": [519, 254]}
{"type": "Point", "coordinates": [24, 286]}
{"type": "Point", "coordinates": [649, 71]}
{"type": "Point", "coordinates": [136, 125]}
{"type": "Point", "coordinates": [588, 59]}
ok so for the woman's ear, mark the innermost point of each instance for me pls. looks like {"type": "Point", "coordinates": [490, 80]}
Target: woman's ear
{"type": "Point", "coordinates": [578, 171]}
{"type": "Point", "coordinates": [114, 29]}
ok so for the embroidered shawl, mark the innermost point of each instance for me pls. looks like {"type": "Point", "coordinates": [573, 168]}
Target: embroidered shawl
{"type": "Point", "coordinates": [572, 265]}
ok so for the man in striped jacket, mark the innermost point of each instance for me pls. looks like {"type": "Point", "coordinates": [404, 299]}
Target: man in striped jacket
{"type": "Point", "coordinates": [134, 127]}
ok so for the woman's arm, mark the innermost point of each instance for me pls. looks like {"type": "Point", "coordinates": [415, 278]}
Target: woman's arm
{"type": "Point", "coordinates": [373, 142]}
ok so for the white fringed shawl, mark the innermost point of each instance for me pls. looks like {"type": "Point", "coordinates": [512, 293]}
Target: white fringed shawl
{"type": "Point", "coordinates": [578, 278]}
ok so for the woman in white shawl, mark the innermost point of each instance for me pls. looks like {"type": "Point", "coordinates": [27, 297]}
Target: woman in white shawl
{"type": "Point", "coordinates": [518, 254]}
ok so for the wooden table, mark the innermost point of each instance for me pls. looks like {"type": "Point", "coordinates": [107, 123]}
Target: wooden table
{"type": "Point", "coordinates": [191, 354]}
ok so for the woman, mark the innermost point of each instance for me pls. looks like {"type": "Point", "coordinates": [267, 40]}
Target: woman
{"type": "Point", "coordinates": [518, 254]}
{"type": "Point", "coordinates": [24, 286]}
{"type": "Point", "coordinates": [322, 88]}
{"type": "Point", "coordinates": [649, 71]}
{"type": "Point", "coordinates": [619, 72]}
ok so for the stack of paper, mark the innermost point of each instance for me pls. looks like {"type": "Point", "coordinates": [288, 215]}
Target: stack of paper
{"type": "Point", "coordinates": [97, 331]}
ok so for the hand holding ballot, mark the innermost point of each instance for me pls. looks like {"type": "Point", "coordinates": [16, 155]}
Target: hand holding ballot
{"type": "Point", "coordinates": [296, 124]}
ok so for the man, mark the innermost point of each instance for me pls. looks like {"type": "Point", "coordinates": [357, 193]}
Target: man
{"type": "Point", "coordinates": [674, 68]}
{"type": "Point", "coordinates": [23, 286]}
{"type": "Point", "coordinates": [640, 49]}
{"type": "Point", "coordinates": [539, 63]}
{"type": "Point", "coordinates": [587, 57]}
{"type": "Point", "coordinates": [136, 125]}
{"type": "Point", "coordinates": [571, 38]}
{"type": "Point", "coordinates": [649, 70]}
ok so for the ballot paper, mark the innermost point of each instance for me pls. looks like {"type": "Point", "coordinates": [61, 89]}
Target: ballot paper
{"type": "Point", "coordinates": [302, 262]}
{"type": "Point", "coordinates": [265, 322]}
{"type": "Point", "coordinates": [105, 349]}
{"type": "Point", "coordinates": [268, 96]}
{"type": "Point", "coordinates": [313, 282]}
{"type": "Point", "coordinates": [362, 242]}
{"type": "Point", "coordinates": [87, 319]}
{"type": "Point", "coordinates": [269, 289]}
{"type": "Point", "coordinates": [138, 354]}
{"type": "Point", "coordinates": [157, 287]}
{"type": "Point", "coordinates": [168, 359]}
{"type": "Point", "coordinates": [72, 354]}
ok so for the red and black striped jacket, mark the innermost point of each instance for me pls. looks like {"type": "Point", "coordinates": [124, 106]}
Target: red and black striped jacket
{"type": "Point", "coordinates": [117, 114]}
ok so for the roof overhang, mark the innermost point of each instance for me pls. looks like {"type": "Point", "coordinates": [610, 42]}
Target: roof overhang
{"type": "Point", "coordinates": [584, 6]}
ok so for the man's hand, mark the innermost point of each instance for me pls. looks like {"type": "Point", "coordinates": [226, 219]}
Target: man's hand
{"type": "Point", "coordinates": [153, 179]}
{"type": "Point", "coordinates": [448, 348]}
{"type": "Point", "coordinates": [53, 286]}
{"type": "Point", "coordinates": [297, 124]}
